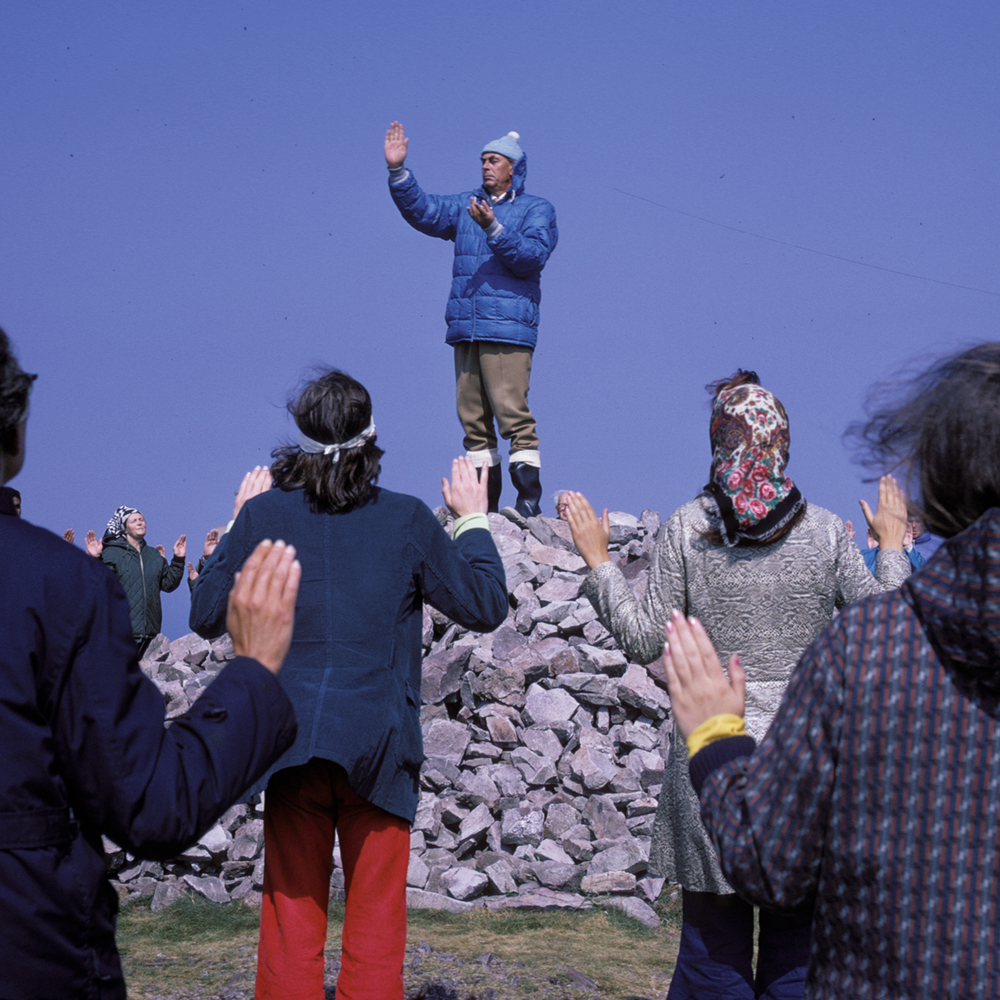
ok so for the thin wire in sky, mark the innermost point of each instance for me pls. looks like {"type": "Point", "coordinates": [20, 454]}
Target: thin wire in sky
{"type": "Point", "coordinates": [797, 246]}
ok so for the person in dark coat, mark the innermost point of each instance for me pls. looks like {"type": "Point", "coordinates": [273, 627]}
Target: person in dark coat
{"type": "Point", "coordinates": [84, 748]}
{"type": "Point", "coordinates": [370, 559]}
{"type": "Point", "coordinates": [873, 797]}
{"type": "Point", "coordinates": [143, 571]}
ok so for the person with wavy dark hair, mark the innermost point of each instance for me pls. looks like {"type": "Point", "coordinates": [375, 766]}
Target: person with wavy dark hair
{"type": "Point", "coordinates": [370, 558]}
{"type": "Point", "coordinates": [764, 571]}
{"type": "Point", "coordinates": [874, 796]}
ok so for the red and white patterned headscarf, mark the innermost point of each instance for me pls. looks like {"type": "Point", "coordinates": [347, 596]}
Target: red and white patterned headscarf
{"type": "Point", "coordinates": [755, 498]}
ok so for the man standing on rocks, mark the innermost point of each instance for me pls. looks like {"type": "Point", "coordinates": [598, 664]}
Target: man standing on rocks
{"type": "Point", "coordinates": [502, 237]}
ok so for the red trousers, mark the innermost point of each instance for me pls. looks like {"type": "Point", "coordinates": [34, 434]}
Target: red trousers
{"type": "Point", "coordinates": [303, 808]}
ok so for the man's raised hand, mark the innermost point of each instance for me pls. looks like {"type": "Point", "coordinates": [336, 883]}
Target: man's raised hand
{"type": "Point", "coordinates": [590, 536]}
{"type": "Point", "coordinates": [261, 611]}
{"type": "Point", "coordinates": [889, 522]}
{"type": "Point", "coordinates": [256, 481]}
{"type": "Point", "coordinates": [181, 547]}
{"type": "Point", "coordinates": [466, 493]}
{"type": "Point", "coordinates": [95, 545]}
{"type": "Point", "coordinates": [395, 146]}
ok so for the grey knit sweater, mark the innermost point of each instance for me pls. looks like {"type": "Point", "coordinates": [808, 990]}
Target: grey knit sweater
{"type": "Point", "coordinates": [767, 604]}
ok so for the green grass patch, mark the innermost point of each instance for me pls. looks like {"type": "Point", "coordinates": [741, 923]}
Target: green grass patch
{"type": "Point", "coordinates": [196, 949]}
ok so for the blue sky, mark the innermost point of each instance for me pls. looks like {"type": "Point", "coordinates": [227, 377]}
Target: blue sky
{"type": "Point", "coordinates": [193, 210]}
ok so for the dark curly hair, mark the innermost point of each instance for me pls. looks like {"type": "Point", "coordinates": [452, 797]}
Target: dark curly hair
{"type": "Point", "coordinates": [938, 427]}
{"type": "Point", "coordinates": [331, 408]}
{"type": "Point", "coordinates": [15, 388]}
{"type": "Point", "coordinates": [739, 377]}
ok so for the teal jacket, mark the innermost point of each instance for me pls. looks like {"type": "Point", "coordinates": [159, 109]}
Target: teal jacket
{"type": "Point", "coordinates": [143, 575]}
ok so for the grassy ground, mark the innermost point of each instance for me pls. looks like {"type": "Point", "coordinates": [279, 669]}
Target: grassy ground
{"type": "Point", "coordinates": [199, 950]}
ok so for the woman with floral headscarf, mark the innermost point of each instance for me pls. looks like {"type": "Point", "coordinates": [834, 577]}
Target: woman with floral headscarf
{"type": "Point", "coordinates": [764, 572]}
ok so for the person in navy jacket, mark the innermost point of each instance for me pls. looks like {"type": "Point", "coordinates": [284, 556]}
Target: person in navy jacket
{"type": "Point", "coordinates": [83, 743]}
{"type": "Point", "coordinates": [503, 238]}
{"type": "Point", "coordinates": [370, 558]}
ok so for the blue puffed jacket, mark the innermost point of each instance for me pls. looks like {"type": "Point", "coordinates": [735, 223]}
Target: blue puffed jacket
{"type": "Point", "coordinates": [495, 287]}
{"type": "Point", "coordinates": [354, 668]}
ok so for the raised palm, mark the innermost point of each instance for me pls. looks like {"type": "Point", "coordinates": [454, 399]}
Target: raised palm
{"type": "Point", "coordinates": [395, 145]}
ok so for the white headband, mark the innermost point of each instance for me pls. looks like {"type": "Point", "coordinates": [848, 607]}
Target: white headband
{"type": "Point", "coordinates": [311, 447]}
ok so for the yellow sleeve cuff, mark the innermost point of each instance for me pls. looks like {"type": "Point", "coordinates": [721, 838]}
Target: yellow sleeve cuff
{"type": "Point", "coordinates": [716, 728]}
{"type": "Point", "coordinates": [470, 521]}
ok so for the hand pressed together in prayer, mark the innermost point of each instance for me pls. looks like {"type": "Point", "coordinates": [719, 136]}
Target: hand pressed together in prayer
{"type": "Point", "coordinates": [261, 611]}
{"type": "Point", "coordinates": [256, 481]}
{"type": "Point", "coordinates": [889, 522]}
{"type": "Point", "coordinates": [590, 536]}
{"type": "Point", "coordinates": [466, 493]}
{"type": "Point", "coordinates": [699, 688]}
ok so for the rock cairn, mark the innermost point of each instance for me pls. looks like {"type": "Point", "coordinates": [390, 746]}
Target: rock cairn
{"type": "Point", "coordinates": [545, 750]}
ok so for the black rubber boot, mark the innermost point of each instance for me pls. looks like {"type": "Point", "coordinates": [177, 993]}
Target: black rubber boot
{"type": "Point", "coordinates": [529, 489]}
{"type": "Point", "coordinates": [494, 487]}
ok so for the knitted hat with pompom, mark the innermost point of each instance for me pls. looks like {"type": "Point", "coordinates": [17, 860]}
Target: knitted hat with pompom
{"type": "Point", "coordinates": [505, 146]}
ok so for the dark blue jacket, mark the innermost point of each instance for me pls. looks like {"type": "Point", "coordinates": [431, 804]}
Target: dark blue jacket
{"type": "Point", "coordinates": [495, 287]}
{"type": "Point", "coordinates": [353, 672]}
{"type": "Point", "coordinates": [85, 753]}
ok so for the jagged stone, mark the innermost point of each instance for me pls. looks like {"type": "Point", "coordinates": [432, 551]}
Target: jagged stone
{"type": "Point", "coordinates": [158, 649]}
{"type": "Point", "coordinates": [215, 840]}
{"type": "Point", "coordinates": [166, 894]}
{"type": "Point", "coordinates": [604, 818]}
{"type": "Point", "coordinates": [559, 589]}
{"type": "Point", "coordinates": [501, 878]}
{"type": "Point", "coordinates": [248, 841]}
{"type": "Point", "coordinates": [501, 731]}
{"type": "Point", "coordinates": [464, 883]}
{"type": "Point", "coordinates": [637, 689]}
{"type": "Point", "coordinates": [606, 882]}
{"type": "Point", "coordinates": [212, 888]}
{"type": "Point", "coordinates": [522, 825]}
{"type": "Point", "coordinates": [592, 768]}
{"type": "Point", "coordinates": [544, 708]}
{"type": "Point", "coordinates": [547, 555]}
{"type": "Point", "coordinates": [636, 909]}
{"type": "Point", "coordinates": [626, 856]}
{"type": "Point", "coordinates": [594, 689]}
{"type": "Point", "coordinates": [420, 899]}
{"type": "Point", "coordinates": [539, 898]}
{"type": "Point", "coordinates": [476, 823]}
{"type": "Point", "coordinates": [446, 740]}
{"type": "Point", "coordinates": [638, 736]}
{"type": "Point", "coordinates": [441, 673]}
{"type": "Point", "coordinates": [503, 684]}
{"type": "Point", "coordinates": [549, 850]}
{"type": "Point", "coordinates": [651, 887]}
{"type": "Point", "coordinates": [559, 818]}
{"type": "Point", "coordinates": [543, 742]}
{"type": "Point", "coordinates": [611, 662]}
{"type": "Point", "coordinates": [566, 662]}
{"type": "Point", "coordinates": [554, 874]}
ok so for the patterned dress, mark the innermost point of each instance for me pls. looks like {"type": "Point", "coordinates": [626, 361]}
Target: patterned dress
{"type": "Point", "coordinates": [766, 603]}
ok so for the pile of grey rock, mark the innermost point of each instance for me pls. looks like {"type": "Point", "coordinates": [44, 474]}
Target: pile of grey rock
{"type": "Point", "coordinates": [545, 750]}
